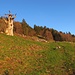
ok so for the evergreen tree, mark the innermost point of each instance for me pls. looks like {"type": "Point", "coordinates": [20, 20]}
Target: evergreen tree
{"type": "Point", "coordinates": [56, 35]}
{"type": "Point", "coordinates": [38, 29]}
{"type": "Point", "coordinates": [24, 27]}
{"type": "Point", "coordinates": [27, 30]}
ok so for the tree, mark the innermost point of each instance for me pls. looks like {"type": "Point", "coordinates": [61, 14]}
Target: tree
{"type": "Point", "coordinates": [18, 28]}
{"type": "Point", "coordinates": [24, 27]}
{"type": "Point", "coordinates": [27, 30]}
{"type": "Point", "coordinates": [47, 34]}
{"type": "Point", "coordinates": [56, 35]}
{"type": "Point", "coordinates": [38, 29]}
{"type": "Point", "coordinates": [3, 25]}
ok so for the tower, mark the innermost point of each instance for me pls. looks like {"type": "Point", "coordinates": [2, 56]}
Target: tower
{"type": "Point", "coordinates": [9, 21]}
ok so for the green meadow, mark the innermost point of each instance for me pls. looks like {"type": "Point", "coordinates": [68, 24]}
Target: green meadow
{"type": "Point", "coordinates": [19, 56]}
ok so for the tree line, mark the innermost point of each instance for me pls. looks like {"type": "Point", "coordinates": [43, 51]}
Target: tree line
{"type": "Point", "coordinates": [23, 28]}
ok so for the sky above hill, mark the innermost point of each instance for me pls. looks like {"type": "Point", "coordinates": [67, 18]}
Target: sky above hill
{"type": "Point", "coordinates": [56, 14]}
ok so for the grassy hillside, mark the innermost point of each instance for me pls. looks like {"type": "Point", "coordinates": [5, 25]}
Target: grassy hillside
{"type": "Point", "coordinates": [25, 57]}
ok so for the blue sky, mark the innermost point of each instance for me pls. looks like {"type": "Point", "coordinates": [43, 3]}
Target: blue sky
{"type": "Point", "coordinates": [57, 14]}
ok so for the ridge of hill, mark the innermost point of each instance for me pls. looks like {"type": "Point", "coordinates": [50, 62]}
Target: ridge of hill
{"type": "Point", "coordinates": [45, 33]}
{"type": "Point", "coordinates": [19, 56]}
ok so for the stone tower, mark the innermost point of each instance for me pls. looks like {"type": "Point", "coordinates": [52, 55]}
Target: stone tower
{"type": "Point", "coordinates": [9, 22]}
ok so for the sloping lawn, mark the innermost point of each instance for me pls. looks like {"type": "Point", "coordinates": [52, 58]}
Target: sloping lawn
{"type": "Point", "coordinates": [25, 57]}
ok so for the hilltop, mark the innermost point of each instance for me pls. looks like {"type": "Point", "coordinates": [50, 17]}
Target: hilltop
{"type": "Point", "coordinates": [36, 51]}
{"type": "Point", "coordinates": [48, 34]}
{"type": "Point", "coordinates": [20, 56]}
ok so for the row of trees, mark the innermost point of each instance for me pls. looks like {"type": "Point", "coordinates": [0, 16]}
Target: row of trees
{"type": "Point", "coordinates": [42, 32]}
{"type": "Point", "coordinates": [52, 34]}
{"type": "Point", "coordinates": [23, 28]}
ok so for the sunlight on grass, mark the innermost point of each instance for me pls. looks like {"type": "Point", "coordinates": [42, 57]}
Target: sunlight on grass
{"type": "Point", "coordinates": [23, 57]}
